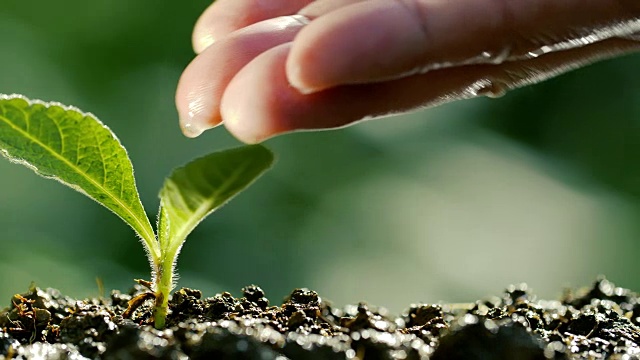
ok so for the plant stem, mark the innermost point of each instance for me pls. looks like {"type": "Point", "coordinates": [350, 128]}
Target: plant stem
{"type": "Point", "coordinates": [164, 279]}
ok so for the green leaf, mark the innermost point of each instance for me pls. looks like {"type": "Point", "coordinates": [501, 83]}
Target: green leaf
{"type": "Point", "coordinates": [195, 190]}
{"type": "Point", "coordinates": [76, 149]}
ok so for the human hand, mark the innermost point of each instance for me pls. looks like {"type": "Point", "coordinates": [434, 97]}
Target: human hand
{"type": "Point", "coordinates": [263, 71]}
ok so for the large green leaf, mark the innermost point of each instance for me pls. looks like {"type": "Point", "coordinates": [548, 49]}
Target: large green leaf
{"type": "Point", "coordinates": [195, 190]}
{"type": "Point", "coordinates": [76, 149]}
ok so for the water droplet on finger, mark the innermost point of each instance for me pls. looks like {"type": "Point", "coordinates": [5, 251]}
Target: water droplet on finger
{"type": "Point", "coordinates": [490, 88]}
{"type": "Point", "coordinates": [191, 131]}
{"type": "Point", "coordinates": [583, 37]}
{"type": "Point", "coordinates": [485, 57]}
{"type": "Point", "coordinates": [492, 57]}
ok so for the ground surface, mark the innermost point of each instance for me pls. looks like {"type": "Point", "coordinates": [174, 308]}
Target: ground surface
{"type": "Point", "coordinates": [600, 322]}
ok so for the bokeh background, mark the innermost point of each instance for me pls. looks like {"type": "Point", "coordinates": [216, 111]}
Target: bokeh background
{"type": "Point", "coordinates": [454, 203]}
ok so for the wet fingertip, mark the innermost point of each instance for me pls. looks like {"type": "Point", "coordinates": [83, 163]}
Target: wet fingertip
{"type": "Point", "coordinates": [190, 131]}
{"type": "Point", "coordinates": [193, 126]}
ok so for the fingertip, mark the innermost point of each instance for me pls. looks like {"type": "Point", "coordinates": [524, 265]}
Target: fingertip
{"type": "Point", "coordinates": [195, 103]}
{"type": "Point", "coordinates": [194, 123]}
{"type": "Point", "coordinates": [305, 66]}
{"type": "Point", "coordinates": [204, 31]}
{"type": "Point", "coordinates": [226, 16]}
{"type": "Point", "coordinates": [244, 112]}
{"type": "Point", "coordinates": [296, 77]}
{"type": "Point", "coordinates": [205, 80]}
{"type": "Point", "coordinates": [260, 103]}
{"type": "Point", "coordinates": [250, 104]}
{"type": "Point", "coordinates": [239, 126]}
{"type": "Point", "coordinates": [364, 42]}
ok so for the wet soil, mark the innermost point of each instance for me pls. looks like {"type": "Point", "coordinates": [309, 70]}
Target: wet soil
{"type": "Point", "coordinates": [599, 322]}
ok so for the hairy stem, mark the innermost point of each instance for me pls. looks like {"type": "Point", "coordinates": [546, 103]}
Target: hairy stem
{"type": "Point", "coordinates": [164, 279]}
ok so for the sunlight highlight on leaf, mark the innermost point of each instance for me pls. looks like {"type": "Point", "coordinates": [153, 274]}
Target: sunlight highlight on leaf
{"type": "Point", "coordinates": [75, 148]}
{"type": "Point", "coordinates": [192, 192]}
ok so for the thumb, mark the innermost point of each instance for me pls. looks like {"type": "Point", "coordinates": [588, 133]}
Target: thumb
{"type": "Point", "coordinates": [377, 40]}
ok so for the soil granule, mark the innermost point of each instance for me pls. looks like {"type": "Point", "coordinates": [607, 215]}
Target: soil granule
{"type": "Point", "coordinates": [600, 322]}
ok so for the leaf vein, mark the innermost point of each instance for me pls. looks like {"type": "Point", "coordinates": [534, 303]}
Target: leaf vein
{"type": "Point", "coordinates": [75, 168]}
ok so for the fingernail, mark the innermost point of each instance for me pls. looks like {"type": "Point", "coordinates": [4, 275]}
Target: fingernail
{"type": "Point", "coordinates": [201, 43]}
{"type": "Point", "coordinates": [295, 80]}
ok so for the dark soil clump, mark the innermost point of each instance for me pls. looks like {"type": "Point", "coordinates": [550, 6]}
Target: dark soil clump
{"type": "Point", "coordinates": [601, 322]}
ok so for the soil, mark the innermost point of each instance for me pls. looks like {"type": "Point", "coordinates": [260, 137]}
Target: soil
{"type": "Point", "coordinates": [599, 322]}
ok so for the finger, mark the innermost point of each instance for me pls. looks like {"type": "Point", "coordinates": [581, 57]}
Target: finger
{"type": "Point", "coordinates": [259, 102]}
{"type": "Point", "coordinates": [322, 7]}
{"type": "Point", "coordinates": [225, 16]}
{"type": "Point", "coordinates": [381, 39]}
{"type": "Point", "coordinates": [204, 80]}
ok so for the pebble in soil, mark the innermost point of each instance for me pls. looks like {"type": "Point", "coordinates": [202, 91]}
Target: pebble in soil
{"type": "Point", "coordinates": [600, 322]}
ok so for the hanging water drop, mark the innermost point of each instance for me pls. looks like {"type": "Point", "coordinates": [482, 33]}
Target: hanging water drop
{"type": "Point", "coordinates": [191, 131]}
{"type": "Point", "coordinates": [490, 88]}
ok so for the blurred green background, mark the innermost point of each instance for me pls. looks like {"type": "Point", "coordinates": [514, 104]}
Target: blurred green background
{"type": "Point", "coordinates": [455, 203]}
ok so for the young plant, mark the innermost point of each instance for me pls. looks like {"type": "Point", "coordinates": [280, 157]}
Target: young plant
{"type": "Point", "coordinates": [75, 148]}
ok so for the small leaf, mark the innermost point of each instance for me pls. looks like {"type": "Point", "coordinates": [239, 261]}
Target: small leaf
{"type": "Point", "coordinates": [76, 149]}
{"type": "Point", "coordinates": [195, 190]}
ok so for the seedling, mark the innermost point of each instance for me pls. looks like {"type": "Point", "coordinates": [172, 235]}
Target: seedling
{"type": "Point", "coordinates": [75, 148]}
